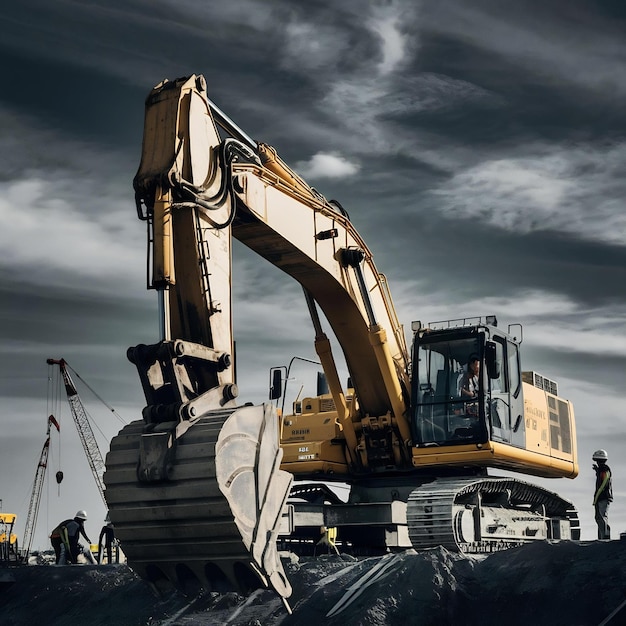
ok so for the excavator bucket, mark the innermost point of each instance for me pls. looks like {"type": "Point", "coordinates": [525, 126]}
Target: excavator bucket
{"type": "Point", "coordinates": [248, 472]}
{"type": "Point", "coordinates": [213, 523]}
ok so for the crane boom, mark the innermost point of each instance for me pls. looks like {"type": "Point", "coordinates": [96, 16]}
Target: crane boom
{"type": "Point", "coordinates": [35, 498]}
{"type": "Point", "coordinates": [85, 432]}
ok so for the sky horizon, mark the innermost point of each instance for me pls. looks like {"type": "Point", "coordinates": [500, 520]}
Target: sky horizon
{"type": "Point", "coordinates": [478, 148]}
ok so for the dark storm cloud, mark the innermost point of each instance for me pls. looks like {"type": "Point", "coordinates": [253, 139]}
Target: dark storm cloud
{"type": "Point", "coordinates": [71, 98]}
{"type": "Point", "coordinates": [555, 42]}
{"type": "Point", "coordinates": [70, 324]}
{"type": "Point", "coordinates": [604, 370]}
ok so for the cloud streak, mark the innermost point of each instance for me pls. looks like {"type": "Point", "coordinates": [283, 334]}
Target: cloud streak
{"type": "Point", "coordinates": [573, 190]}
{"type": "Point", "coordinates": [552, 42]}
{"type": "Point", "coordinates": [64, 218]}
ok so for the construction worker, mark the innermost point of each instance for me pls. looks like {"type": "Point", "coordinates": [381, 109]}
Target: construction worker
{"type": "Point", "coordinates": [603, 495]}
{"type": "Point", "coordinates": [108, 534]}
{"type": "Point", "coordinates": [64, 538]}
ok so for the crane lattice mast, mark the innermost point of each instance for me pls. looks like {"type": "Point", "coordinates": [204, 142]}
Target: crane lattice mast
{"type": "Point", "coordinates": [85, 432]}
{"type": "Point", "coordinates": [35, 497]}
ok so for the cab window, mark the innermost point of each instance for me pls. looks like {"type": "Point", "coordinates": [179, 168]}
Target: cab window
{"type": "Point", "coordinates": [515, 378]}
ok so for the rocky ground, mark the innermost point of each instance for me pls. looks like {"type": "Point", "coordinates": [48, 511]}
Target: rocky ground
{"type": "Point", "coordinates": [565, 583]}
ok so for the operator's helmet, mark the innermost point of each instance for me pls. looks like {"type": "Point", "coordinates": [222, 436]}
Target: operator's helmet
{"type": "Point", "coordinates": [600, 455]}
{"type": "Point", "coordinates": [81, 515]}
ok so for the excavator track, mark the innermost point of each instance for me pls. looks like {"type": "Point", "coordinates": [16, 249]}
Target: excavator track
{"type": "Point", "coordinates": [212, 524]}
{"type": "Point", "coordinates": [487, 514]}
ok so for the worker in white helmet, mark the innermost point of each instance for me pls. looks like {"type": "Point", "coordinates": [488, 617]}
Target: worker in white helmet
{"type": "Point", "coordinates": [65, 536]}
{"type": "Point", "coordinates": [603, 495]}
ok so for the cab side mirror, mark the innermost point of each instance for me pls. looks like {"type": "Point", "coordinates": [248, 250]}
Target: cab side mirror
{"type": "Point", "coordinates": [491, 360]}
{"type": "Point", "coordinates": [276, 385]}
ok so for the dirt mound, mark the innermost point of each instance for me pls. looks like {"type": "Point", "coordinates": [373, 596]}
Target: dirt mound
{"type": "Point", "coordinates": [569, 583]}
{"type": "Point", "coordinates": [81, 594]}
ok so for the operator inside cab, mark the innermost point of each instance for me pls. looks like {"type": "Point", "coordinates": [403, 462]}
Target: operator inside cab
{"type": "Point", "coordinates": [450, 380]}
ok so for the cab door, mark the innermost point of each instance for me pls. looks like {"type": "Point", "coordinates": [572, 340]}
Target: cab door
{"type": "Point", "coordinates": [505, 402]}
{"type": "Point", "coordinates": [498, 406]}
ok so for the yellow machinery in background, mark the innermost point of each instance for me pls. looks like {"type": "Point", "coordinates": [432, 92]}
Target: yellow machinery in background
{"type": "Point", "coordinates": [8, 540]}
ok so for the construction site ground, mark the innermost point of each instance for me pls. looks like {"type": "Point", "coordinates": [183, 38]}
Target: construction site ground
{"type": "Point", "coordinates": [560, 583]}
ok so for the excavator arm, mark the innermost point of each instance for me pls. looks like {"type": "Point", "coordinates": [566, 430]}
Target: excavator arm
{"type": "Point", "coordinates": [196, 189]}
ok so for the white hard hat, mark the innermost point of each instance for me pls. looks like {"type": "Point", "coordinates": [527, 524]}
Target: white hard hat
{"type": "Point", "coordinates": [81, 515]}
{"type": "Point", "coordinates": [600, 455]}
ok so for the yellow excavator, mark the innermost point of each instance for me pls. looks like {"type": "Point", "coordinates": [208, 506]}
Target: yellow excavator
{"type": "Point", "coordinates": [201, 490]}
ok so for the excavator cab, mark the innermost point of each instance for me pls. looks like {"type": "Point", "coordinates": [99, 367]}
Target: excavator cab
{"type": "Point", "coordinates": [506, 418]}
{"type": "Point", "coordinates": [452, 403]}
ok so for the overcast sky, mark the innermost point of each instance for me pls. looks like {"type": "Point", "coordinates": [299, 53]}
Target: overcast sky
{"type": "Point", "coordinates": [479, 148]}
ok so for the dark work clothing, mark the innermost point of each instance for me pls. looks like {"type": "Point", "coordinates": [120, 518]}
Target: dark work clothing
{"type": "Point", "coordinates": [68, 533]}
{"type": "Point", "coordinates": [108, 534]}
{"type": "Point", "coordinates": [602, 519]}
{"type": "Point", "coordinates": [604, 483]}
{"type": "Point", "coordinates": [57, 543]}
{"type": "Point", "coordinates": [58, 537]}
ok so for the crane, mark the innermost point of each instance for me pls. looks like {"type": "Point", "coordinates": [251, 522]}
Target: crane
{"type": "Point", "coordinates": [35, 498]}
{"type": "Point", "coordinates": [85, 432]}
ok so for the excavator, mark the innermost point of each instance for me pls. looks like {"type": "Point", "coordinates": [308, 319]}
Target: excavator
{"type": "Point", "coordinates": [203, 491]}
